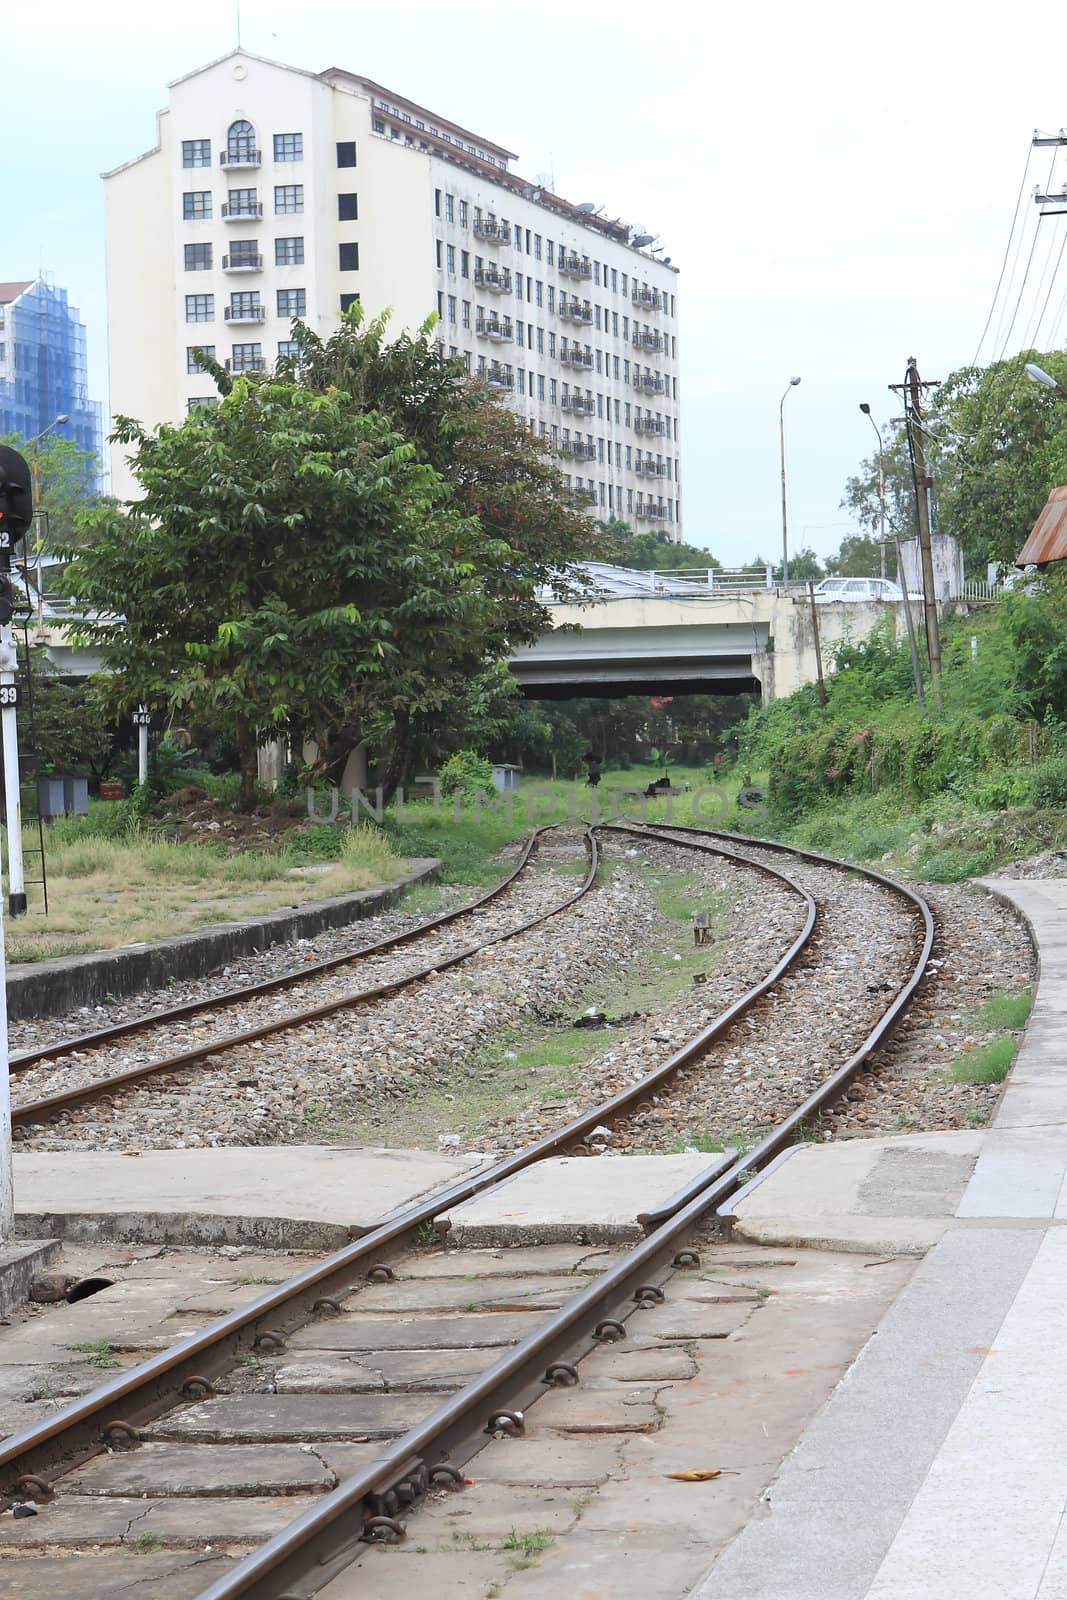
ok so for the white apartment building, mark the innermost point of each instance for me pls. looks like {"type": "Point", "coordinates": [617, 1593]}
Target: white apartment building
{"type": "Point", "coordinates": [274, 193]}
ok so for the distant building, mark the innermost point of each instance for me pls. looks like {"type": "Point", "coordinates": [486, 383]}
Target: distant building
{"type": "Point", "coordinates": [43, 372]}
{"type": "Point", "coordinates": [274, 193]}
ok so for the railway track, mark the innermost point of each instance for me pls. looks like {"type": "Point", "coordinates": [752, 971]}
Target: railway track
{"type": "Point", "coordinates": [419, 1401]}
{"type": "Point", "coordinates": [101, 1085]}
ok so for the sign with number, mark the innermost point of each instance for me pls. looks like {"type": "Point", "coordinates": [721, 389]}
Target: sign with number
{"type": "Point", "coordinates": [142, 718]}
{"type": "Point", "coordinates": [10, 696]}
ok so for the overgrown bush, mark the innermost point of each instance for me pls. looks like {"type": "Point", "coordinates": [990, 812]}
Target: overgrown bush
{"type": "Point", "coordinates": [1048, 783]}
{"type": "Point", "coordinates": [466, 773]}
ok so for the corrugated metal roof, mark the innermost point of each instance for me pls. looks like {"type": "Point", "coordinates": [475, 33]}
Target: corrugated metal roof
{"type": "Point", "coordinates": [1048, 537]}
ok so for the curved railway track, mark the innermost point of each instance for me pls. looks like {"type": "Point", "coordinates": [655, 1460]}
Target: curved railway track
{"type": "Point", "coordinates": [300, 1559]}
{"type": "Point", "coordinates": [28, 1113]}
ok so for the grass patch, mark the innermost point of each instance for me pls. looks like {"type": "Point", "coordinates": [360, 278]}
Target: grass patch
{"type": "Point", "coordinates": [528, 1545]}
{"type": "Point", "coordinates": [988, 1063]}
{"type": "Point", "coordinates": [98, 1352]}
{"type": "Point", "coordinates": [105, 892]}
{"type": "Point", "coordinates": [1005, 1011]}
{"type": "Point", "coordinates": [145, 1543]}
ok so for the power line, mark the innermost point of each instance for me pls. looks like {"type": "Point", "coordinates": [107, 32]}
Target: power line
{"type": "Point", "coordinates": [1029, 262]}
{"type": "Point", "coordinates": [1028, 341]}
{"type": "Point", "coordinates": [1007, 249]}
{"type": "Point", "coordinates": [1033, 343]}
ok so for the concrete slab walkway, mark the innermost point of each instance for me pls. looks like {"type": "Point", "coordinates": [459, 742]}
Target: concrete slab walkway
{"type": "Point", "coordinates": [290, 1197]}
{"type": "Point", "coordinates": [937, 1471]}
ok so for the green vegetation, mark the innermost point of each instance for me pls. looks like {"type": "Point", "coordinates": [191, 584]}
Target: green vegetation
{"type": "Point", "coordinates": [107, 890]}
{"type": "Point", "coordinates": [1005, 1011]}
{"type": "Point", "coordinates": [144, 1544]}
{"type": "Point", "coordinates": [98, 1352]}
{"type": "Point", "coordinates": [987, 1063]}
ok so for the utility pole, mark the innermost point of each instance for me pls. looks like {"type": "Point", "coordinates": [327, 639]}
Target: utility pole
{"type": "Point", "coordinates": [916, 668]}
{"type": "Point", "coordinates": [912, 390]}
{"type": "Point", "coordinates": [818, 642]}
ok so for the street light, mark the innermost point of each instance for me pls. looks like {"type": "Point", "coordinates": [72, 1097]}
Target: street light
{"type": "Point", "coordinates": [785, 525]}
{"type": "Point", "coordinates": [902, 577]}
{"type": "Point", "coordinates": [1038, 375]}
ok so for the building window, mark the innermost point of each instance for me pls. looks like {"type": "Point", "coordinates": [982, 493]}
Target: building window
{"type": "Point", "coordinates": [292, 302]}
{"type": "Point", "coordinates": [288, 350]}
{"type": "Point", "coordinates": [466, 313]}
{"type": "Point", "coordinates": [539, 293]}
{"type": "Point", "coordinates": [242, 203]}
{"type": "Point", "coordinates": [553, 394]}
{"type": "Point", "coordinates": [191, 363]}
{"type": "Point", "coordinates": [439, 253]}
{"type": "Point", "coordinates": [198, 258]}
{"type": "Point", "coordinates": [451, 308]}
{"type": "Point", "coordinates": [288, 197]}
{"type": "Point", "coordinates": [201, 402]}
{"type": "Point", "coordinates": [348, 257]}
{"type": "Point", "coordinates": [347, 208]}
{"type": "Point", "coordinates": [243, 253]}
{"type": "Point", "coordinates": [346, 153]}
{"type": "Point", "coordinates": [348, 301]}
{"type": "Point", "coordinates": [289, 252]}
{"type": "Point", "coordinates": [550, 252]}
{"type": "Point", "coordinates": [196, 205]}
{"type": "Point", "coordinates": [288, 147]}
{"type": "Point", "coordinates": [437, 202]}
{"type": "Point", "coordinates": [450, 208]}
{"type": "Point", "coordinates": [196, 152]}
{"type": "Point", "coordinates": [440, 304]}
{"type": "Point", "coordinates": [246, 358]}
{"type": "Point", "coordinates": [464, 214]}
{"type": "Point", "coordinates": [200, 308]}
{"type": "Point", "coordinates": [540, 341]}
{"type": "Point", "coordinates": [241, 142]}
{"type": "Point", "coordinates": [450, 259]}
{"type": "Point", "coordinates": [540, 387]}
{"type": "Point", "coordinates": [464, 263]}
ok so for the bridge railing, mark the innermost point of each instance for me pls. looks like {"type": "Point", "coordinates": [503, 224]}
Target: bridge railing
{"type": "Point", "coordinates": [761, 577]}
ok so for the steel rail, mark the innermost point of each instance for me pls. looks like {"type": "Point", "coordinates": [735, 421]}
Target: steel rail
{"type": "Point", "coordinates": [34, 1111]}
{"type": "Point", "coordinates": [322, 1539]}
{"type": "Point", "coordinates": [76, 1430]}
{"type": "Point", "coordinates": [192, 1008]}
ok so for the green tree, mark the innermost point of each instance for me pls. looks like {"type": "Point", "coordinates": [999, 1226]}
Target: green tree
{"type": "Point", "coordinates": [861, 496]}
{"type": "Point", "coordinates": [71, 728]}
{"type": "Point", "coordinates": [860, 556]}
{"type": "Point", "coordinates": [65, 474]}
{"type": "Point", "coordinates": [291, 564]}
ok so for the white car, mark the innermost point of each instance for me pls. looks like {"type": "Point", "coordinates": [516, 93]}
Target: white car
{"type": "Point", "coordinates": [858, 589]}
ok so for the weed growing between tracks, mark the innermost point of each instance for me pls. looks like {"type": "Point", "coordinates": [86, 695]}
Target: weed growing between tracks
{"type": "Point", "coordinates": [542, 1064]}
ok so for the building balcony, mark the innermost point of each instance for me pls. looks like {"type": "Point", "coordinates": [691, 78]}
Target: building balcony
{"type": "Point", "coordinates": [495, 279]}
{"type": "Point", "coordinates": [245, 211]}
{"type": "Point", "coordinates": [647, 298]}
{"type": "Point", "coordinates": [648, 385]}
{"type": "Point", "coordinates": [648, 341]}
{"type": "Point", "coordinates": [577, 358]}
{"type": "Point", "coordinates": [575, 266]}
{"type": "Point", "coordinates": [245, 364]}
{"type": "Point", "coordinates": [649, 425]}
{"type": "Point", "coordinates": [242, 263]}
{"type": "Point", "coordinates": [232, 159]}
{"type": "Point", "coordinates": [245, 314]}
{"type": "Point", "coordinates": [574, 311]}
{"type": "Point", "coordinates": [650, 469]}
{"type": "Point", "coordinates": [649, 513]}
{"type": "Point", "coordinates": [500, 377]}
{"type": "Point", "coordinates": [490, 328]}
{"type": "Point", "coordinates": [581, 404]}
{"type": "Point", "coordinates": [492, 231]}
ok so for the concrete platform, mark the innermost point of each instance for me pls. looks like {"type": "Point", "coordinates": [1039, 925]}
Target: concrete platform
{"type": "Point", "coordinates": [892, 1196]}
{"type": "Point", "coordinates": [20, 1262]}
{"type": "Point", "coordinates": [579, 1199]}
{"type": "Point", "coordinates": [937, 1471]}
{"type": "Point", "coordinates": [275, 1196]}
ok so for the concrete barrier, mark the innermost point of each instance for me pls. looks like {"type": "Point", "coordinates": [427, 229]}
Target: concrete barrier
{"type": "Point", "coordinates": [51, 988]}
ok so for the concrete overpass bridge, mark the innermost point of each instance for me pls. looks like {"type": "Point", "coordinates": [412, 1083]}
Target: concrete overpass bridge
{"type": "Point", "coordinates": [665, 633]}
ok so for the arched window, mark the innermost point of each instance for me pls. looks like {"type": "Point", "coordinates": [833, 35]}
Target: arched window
{"type": "Point", "coordinates": [241, 141]}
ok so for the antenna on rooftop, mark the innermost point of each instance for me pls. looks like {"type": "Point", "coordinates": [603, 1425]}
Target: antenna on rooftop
{"type": "Point", "coordinates": [238, 9]}
{"type": "Point", "coordinates": [586, 207]}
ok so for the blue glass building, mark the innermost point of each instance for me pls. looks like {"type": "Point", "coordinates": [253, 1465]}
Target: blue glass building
{"type": "Point", "coordinates": [43, 372]}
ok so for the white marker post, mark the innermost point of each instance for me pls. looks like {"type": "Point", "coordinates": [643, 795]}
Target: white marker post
{"type": "Point", "coordinates": [9, 736]}
{"type": "Point", "coordinates": [16, 516]}
{"type": "Point", "coordinates": [142, 718]}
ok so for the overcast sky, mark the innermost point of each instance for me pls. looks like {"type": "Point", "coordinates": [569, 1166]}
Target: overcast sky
{"type": "Point", "coordinates": [835, 181]}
